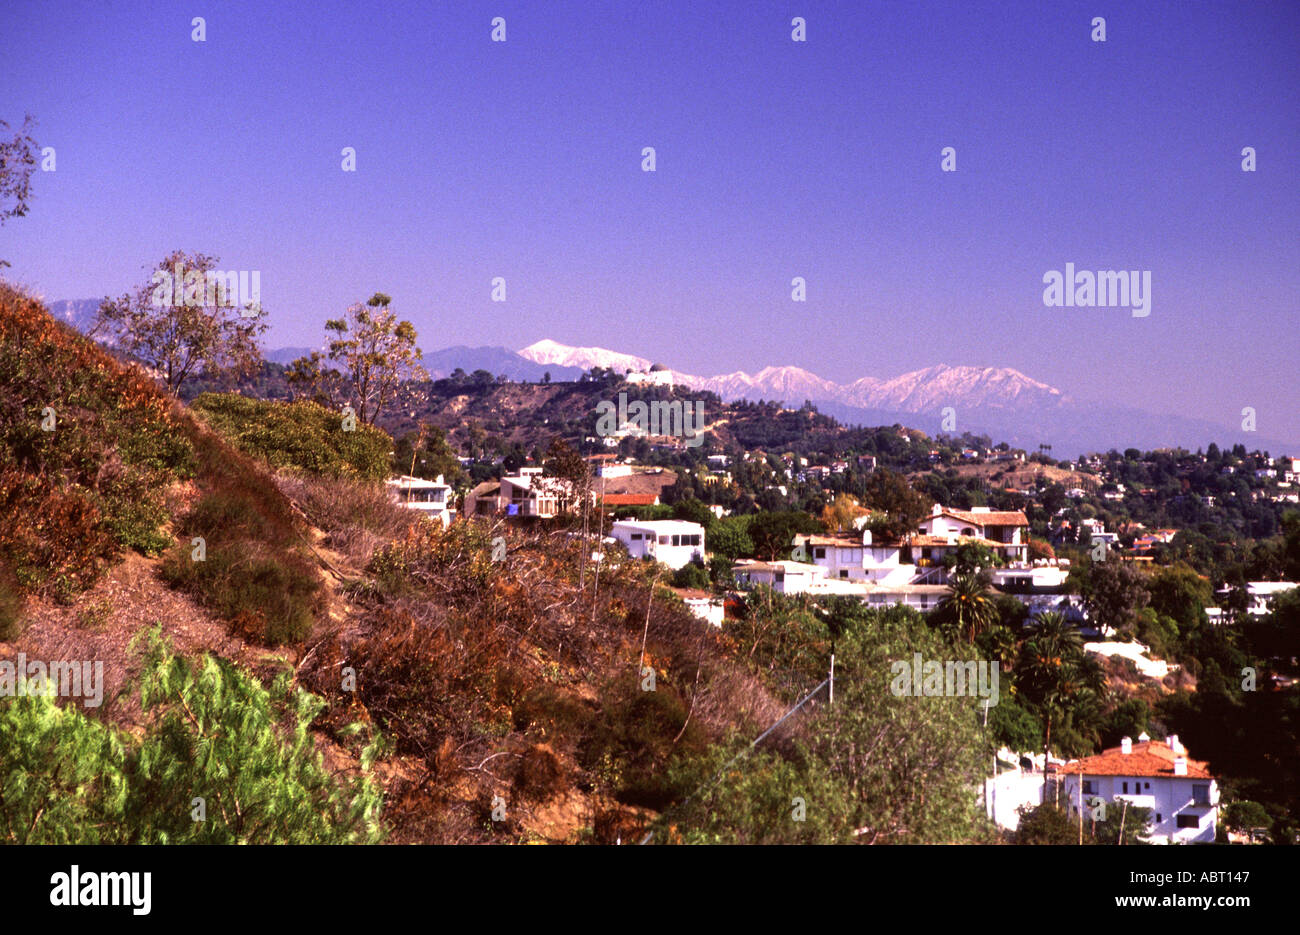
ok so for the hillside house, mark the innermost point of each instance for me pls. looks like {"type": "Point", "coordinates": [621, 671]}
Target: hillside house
{"type": "Point", "coordinates": [668, 541]}
{"type": "Point", "coordinates": [784, 577]}
{"type": "Point", "coordinates": [1261, 594]}
{"type": "Point", "coordinates": [918, 559]}
{"type": "Point", "coordinates": [859, 556]}
{"type": "Point", "coordinates": [528, 493]}
{"type": "Point", "coordinates": [430, 497]}
{"type": "Point", "coordinates": [703, 605]}
{"type": "Point", "coordinates": [1006, 532]}
{"type": "Point", "coordinates": [1181, 793]}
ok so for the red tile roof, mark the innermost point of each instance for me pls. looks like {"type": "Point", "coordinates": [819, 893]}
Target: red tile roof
{"type": "Point", "coordinates": [1151, 758]}
{"type": "Point", "coordinates": [630, 499]}
{"type": "Point", "coordinates": [991, 518]}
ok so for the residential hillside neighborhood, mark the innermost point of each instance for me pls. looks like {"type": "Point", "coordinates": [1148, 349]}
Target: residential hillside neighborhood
{"type": "Point", "coordinates": [1140, 560]}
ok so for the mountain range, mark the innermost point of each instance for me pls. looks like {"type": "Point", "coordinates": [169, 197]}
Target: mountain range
{"type": "Point", "coordinates": [1000, 402]}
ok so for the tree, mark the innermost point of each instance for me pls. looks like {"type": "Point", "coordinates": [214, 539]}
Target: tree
{"type": "Point", "coordinates": [1246, 816]}
{"type": "Point", "coordinates": [312, 378]}
{"type": "Point", "coordinates": [425, 453]}
{"type": "Point", "coordinates": [773, 533]}
{"type": "Point", "coordinates": [569, 475]}
{"type": "Point", "coordinates": [1291, 548]}
{"type": "Point", "coordinates": [967, 609]}
{"type": "Point", "coordinates": [839, 514]}
{"type": "Point", "coordinates": [832, 784]}
{"type": "Point", "coordinates": [1178, 592]}
{"type": "Point", "coordinates": [729, 538]}
{"type": "Point", "coordinates": [905, 506]}
{"type": "Point", "coordinates": [971, 557]}
{"type": "Point", "coordinates": [1050, 662]}
{"type": "Point", "coordinates": [185, 327]}
{"type": "Point", "coordinates": [17, 162]}
{"type": "Point", "coordinates": [690, 575]}
{"type": "Point", "coordinates": [1040, 548]}
{"type": "Point", "coordinates": [376, 353]}
{"type": "Point", "coordinates": [1113, 593]}
{"type": "Point", "coordinates": [693, 511]}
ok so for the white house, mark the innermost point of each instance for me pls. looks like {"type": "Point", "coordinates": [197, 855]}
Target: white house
{"type": "Point", "coordinates": [1034, 579]}
{"type": "Point", "coordinates": [858, 557]}
{"type": "Point", "coordinates": [1005, 531]}
{"type": "Point", "coordinates": [1180, 792]}
{"type": "Point", "coordinates": [922, 597]}
{"type": "Point", "coordinates": [430, 497]}
{"type": "Point", "coordinates": [784, 577]}
{"type": "Point", "coordinates": [529, 493]}
{"type": "Point", "coordinates": [1261, 595]}
{"type": "Point", "coordinates": [705, 606]}
{"type": "Point", "coordinates": [668, 541]}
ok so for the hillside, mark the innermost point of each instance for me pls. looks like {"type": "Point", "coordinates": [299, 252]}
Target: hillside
{"type": "Point", "coordinates": [334, 669]}
{"type": "Point", "coordinates": [485, 678]}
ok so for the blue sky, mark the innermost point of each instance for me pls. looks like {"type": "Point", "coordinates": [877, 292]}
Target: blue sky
{"type": "Point", "coordinates": [775, 159]}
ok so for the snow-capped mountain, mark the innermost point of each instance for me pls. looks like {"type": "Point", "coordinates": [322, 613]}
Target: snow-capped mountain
{"type": "Point", "coordinates": [935, 387]}
{"type": "Point", "coordinates": [998, 401]}
{"type": "Point", "coordinates": [927, 390]}
{"type": "Point", "coordinates": [552, 352]}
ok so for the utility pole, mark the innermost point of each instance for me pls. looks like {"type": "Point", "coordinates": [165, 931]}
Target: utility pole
{"type": "Point", "coordinates": [1080, 807]}
{"type": "Point", "coordinates": [990, 793]}
{"type": "Point", "coordinates": [831, 699]}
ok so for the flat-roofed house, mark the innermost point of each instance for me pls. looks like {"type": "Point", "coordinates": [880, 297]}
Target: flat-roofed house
{"type": "Point", "coordinates": [531, 493]}
{"type": "Point", "coordinates": [668, 541]}
{"type": "Point", "coordinates": [430, 497]}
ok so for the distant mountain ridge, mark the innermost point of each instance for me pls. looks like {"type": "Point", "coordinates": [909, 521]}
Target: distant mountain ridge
{"type": "Point", "coordinates": [1000, 402]}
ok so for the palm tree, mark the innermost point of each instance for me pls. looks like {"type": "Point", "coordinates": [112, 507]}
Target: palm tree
{"type": "Point", "coordinates": [968, 607]}
{"type": "Point", "coordinates": [1052, 665]}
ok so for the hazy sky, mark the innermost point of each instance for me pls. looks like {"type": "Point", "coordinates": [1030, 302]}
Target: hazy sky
{"type": "Point", "coordinates": [775, 159]}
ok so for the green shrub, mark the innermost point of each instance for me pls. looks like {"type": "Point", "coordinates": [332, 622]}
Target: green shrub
{"type": "Point", "coordinates": [299, 436]}
{"type": "Point", "coordinates": [215, 734]}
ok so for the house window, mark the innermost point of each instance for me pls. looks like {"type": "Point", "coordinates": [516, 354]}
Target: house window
{"type": "Point", "coordinates": [1201, 793]}
{"type": "Point", "coordinates": [1146, 785]}
{"type": "Point", "coordinates": [636, 537]}
{"type": "Point", "coordinates": [1089, 787]}
{"type": "Point", "coordinates": [844, 572]}
{"type": "Point", "coordinates": [819, 553]}
{"type": "Point", "coordinates": [1126, 787]}
{"type": "Point", "coordinates": [1159, 817]}
{"type": "Point", "coordinates": [677, 540]}
{"type": "Point", "coordinates": [1187, 821]}
{"type": "Point", "coordinates": [663, 540]}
